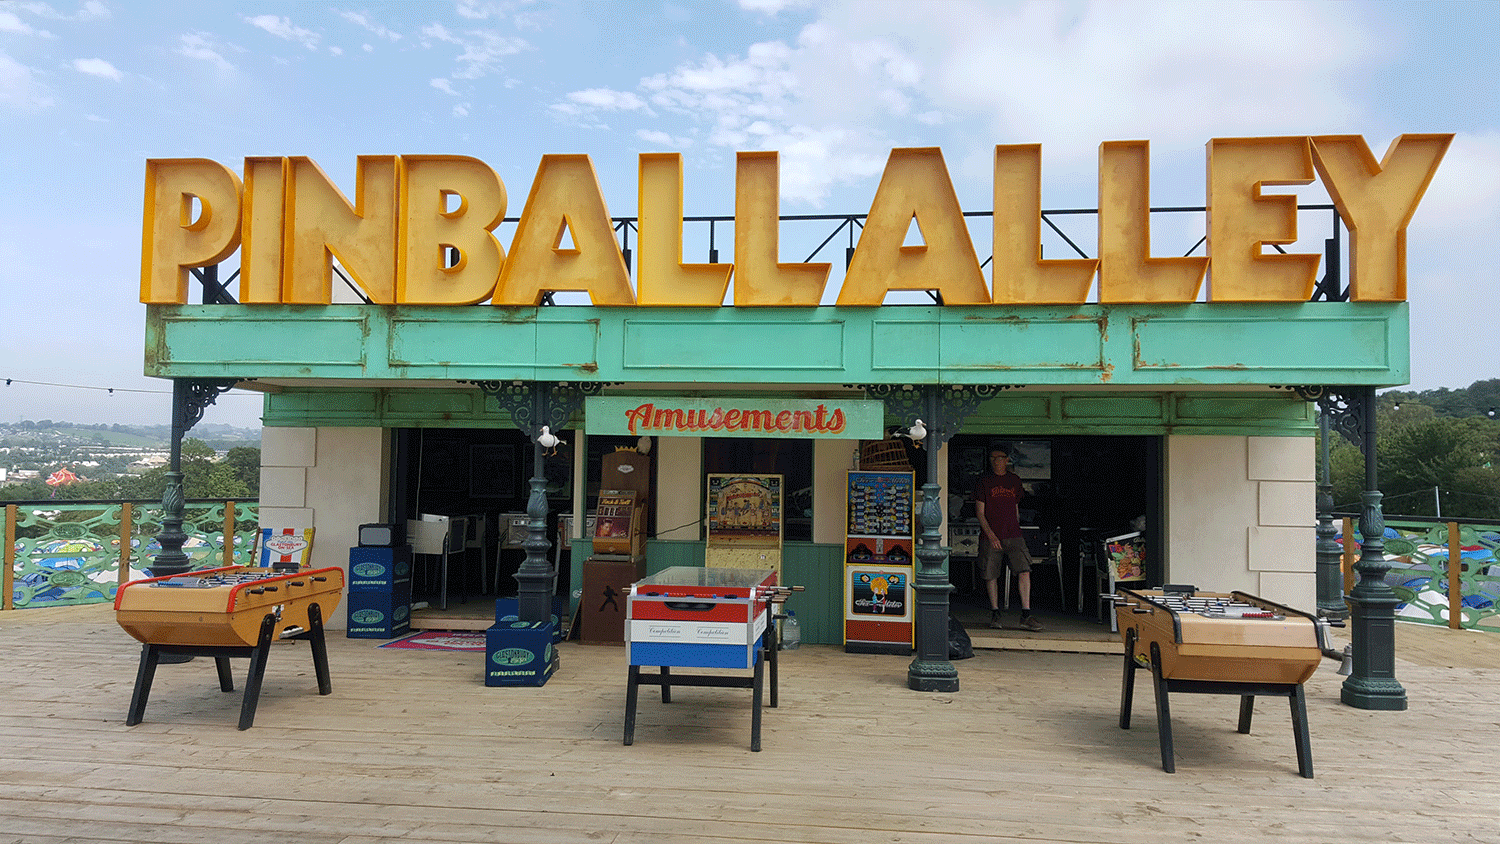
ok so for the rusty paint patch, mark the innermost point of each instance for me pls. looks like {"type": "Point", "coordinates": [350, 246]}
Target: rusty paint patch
{"type": "Point", "coordinates": [591, 368]}
{"type": "Point", "coordinates": [1107, 372]}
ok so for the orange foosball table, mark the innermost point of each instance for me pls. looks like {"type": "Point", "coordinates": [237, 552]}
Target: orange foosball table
{"type": "Point", "coordinates": [1218, 643]}
{"type": "Point", "coordinates": [223, 613]}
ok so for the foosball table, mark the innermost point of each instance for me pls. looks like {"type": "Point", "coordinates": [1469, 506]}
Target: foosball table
{"type": "Point", "coordinates": [234, 611]}
{"type": "Point", "coordinates": [1218, 643]}
{"type": "Point", "coordinates": [690, 617]}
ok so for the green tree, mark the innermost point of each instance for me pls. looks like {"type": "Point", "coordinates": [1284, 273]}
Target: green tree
{"type": "Point", "coordinates": [244, 461]}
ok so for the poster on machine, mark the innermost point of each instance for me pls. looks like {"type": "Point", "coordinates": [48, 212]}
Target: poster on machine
{"type": "Point", "coordinates": [744, 508]}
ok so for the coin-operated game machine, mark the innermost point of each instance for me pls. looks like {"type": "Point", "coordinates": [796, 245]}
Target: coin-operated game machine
{"type": "Point", "coordinates": [619, 543]}
{"type": "Point", "coordinates": [879, 533]}
{"type": "Point", "coordinates": [745, 522]}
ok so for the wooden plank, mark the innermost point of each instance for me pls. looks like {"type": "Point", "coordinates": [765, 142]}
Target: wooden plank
{"type": "Point", "coordinates": [411, 746]}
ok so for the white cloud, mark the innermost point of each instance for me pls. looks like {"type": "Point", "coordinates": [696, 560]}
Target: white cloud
{"type": "Point", "coordinates": [19, 88]}
{"type": "Point", "coordinates": [363, 20]}
{"type": "Point", "coordinates": [336, 51]}
{"type": "Point", "coordinates": [770, 7]}
{"type": "Point", "coordinates": [605, 99]}
{"type": "Point", "coordinates": [444, 85]}
{"type": "Point", "coordinates": [97, 67]}
{"type": "Point", "coordinates": [662, 139]}
{"type": "Point", "coordinates": [284, 29]}
{"type": "Point", "coordinates": [461, 110]}
{"type": "Point", "coordinates": [482, 49]}
{"type": "Point", "coordinates": [14, 25]}
{"type": "Point", "coordinates": [201, 46]}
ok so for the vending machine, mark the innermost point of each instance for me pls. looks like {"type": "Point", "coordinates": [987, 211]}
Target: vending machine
{"type": "Point", "coordinates": [878, 566]}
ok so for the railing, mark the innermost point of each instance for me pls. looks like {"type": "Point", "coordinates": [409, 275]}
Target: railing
{"type": "Point", "coordinates": [1426, 556]}
{"type": "Point", "coordinates": [79, 552]}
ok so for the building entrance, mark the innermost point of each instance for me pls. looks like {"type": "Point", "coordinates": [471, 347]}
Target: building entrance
{"type": "Point", "coordinates": [1080, 490]}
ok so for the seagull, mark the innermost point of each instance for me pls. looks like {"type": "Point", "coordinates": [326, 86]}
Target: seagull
{"type": "Point", "coordinates": [548, 440]}
{"type": "Point", "coordinates": [916, 433]}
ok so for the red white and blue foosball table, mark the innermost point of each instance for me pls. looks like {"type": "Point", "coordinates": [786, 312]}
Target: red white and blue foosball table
{"type": "Point", "coordinates": [1218, 643]}
{"type": "Point", "coordinates": [233, 611]}
{"type": "Point", "coordinates": [690, 617]}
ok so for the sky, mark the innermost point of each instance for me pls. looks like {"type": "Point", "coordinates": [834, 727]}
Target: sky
{"type": "Point", "coordinates": [90, 91]}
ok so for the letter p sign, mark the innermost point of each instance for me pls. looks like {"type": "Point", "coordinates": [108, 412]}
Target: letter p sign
{"type": "Point", "coordinates": [192, 219]}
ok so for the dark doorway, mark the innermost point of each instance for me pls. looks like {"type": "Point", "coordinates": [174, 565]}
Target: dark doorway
{"type": "Point", "coordinates": [1081, 489]}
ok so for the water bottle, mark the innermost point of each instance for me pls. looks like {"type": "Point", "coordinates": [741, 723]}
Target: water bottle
{"type": "Point", "coordinates": [791, 632]}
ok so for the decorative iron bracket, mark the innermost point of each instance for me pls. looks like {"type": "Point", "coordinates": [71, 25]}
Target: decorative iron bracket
{"type": "Point", "coordinates": [1345, 408]}
{"type": "Point", "coordinates": [955, 403]}
{"type": "Point", "coordinates": [192, 396]}
{"type": "Point", "coordinates": [533, 404]}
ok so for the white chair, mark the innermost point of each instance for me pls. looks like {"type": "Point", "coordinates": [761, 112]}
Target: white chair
{"type": "Point", "coordinates": [436, 536]}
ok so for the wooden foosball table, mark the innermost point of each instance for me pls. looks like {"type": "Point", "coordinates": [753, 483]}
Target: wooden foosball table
{"type": "Point", "coordinates": [234, 611]}
{"type": "Point", "coordinates": [1218, 643]}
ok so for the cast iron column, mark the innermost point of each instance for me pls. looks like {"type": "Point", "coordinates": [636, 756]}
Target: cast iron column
{"type": "Point", "coordinates": [189, 399]}
{"type": "Point", "coordinates": [1330, 573]}
{"type": "Point", "coordinates": [1372, 684]}
{"type": "Point", "coordinates": [533, 406]}
{"type": "Point", "coordinates": [930, 669]}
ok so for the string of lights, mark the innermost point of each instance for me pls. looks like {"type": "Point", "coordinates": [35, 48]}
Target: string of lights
{"type": "Point", "coordinates": [110, 390]}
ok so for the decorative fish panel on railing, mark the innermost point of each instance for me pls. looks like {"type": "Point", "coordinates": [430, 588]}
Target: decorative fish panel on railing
{"type": "Point", "coordinates": [1418, 554]}
{"type": "Point", "coordinates": [67, 554]}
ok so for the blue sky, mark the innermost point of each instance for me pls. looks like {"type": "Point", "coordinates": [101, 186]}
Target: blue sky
{"type": "Point", "coordinates": [89, 91]}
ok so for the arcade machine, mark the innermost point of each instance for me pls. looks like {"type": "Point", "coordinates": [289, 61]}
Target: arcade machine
{"type": "Point", "coordinates": [745, 522]}
{"type": "Point", "coordinates": [619, 538]}
{"type": "Point", "coordinates": [878, 565]}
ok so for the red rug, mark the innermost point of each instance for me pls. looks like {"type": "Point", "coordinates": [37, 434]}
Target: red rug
{"type": "Point", "coordinates": [442, 640]}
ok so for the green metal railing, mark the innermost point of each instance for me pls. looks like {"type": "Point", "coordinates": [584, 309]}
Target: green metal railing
{"type": "Point", "coordinates": [79, 552]}
{"type": "Point", "coordinates": [1426, 557]}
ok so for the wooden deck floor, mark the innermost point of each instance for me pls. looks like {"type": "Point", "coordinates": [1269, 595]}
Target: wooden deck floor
{"type": "Point", "coordinates": [412, 747]}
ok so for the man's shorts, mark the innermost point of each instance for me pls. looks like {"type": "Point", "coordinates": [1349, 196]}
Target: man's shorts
{"type": "Point", "coordinates": [1014, 550]}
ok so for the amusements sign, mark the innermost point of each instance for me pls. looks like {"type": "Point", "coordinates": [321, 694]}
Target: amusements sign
{"type": "Point", "coordinates": [848, 419]}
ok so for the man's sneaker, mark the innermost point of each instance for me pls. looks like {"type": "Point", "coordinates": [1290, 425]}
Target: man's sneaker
{"type": "Point", "coordinates": [995, 621]}
{"type": "Point", "coordinates": [1030, 623]}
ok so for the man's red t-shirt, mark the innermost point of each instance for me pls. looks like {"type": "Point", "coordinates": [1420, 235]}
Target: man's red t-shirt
{"type": "Point", "coordinates": [1001, 495]}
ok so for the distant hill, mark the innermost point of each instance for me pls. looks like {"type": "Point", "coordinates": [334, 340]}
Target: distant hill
{"type": "Point", "coordinates": [217, 435]}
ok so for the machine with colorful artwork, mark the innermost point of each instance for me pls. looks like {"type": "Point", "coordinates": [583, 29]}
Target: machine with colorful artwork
{"type": "Point", "coordinates": [878, 566]}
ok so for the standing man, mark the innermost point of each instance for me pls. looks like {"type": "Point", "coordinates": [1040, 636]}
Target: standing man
{"type": "Point", "coordinates": [997, 502]}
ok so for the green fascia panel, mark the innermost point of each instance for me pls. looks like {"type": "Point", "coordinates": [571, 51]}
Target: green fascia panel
{"type": "Point", "coordinates": [415, 407]}
{"type": "Point", "coordinates": [1263, 413]}
{"type": "Point", "coordinates": [724, 340]}
{"type": "Point", "coordinates": [1134, 407]}
{"type": "Point", "coordinates": [1128, 346]}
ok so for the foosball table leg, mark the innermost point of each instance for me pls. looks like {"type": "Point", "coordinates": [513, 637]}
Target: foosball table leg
{"type": "Point", "coordinates": [1127, 684]}
{"type": "Point", "coordinates": [758, 686]}
{"type": "Point", "coordinates": [770, 648]}
{"type": "Point", "coordinates": [666, 688]}
{"type": "Point", "coordinates": [319, 649]}
{"type": "Point", "coordinates": [632, 688]}
{"type": "Point", "coordinates": [143, 677]}
{"type": "Point", "coordinates": [1299, 732]}
{"type": "Point", "coordinates": [1163, 712]}
{"type": "Point", "coordinates": [258, 656]}
{"type": "Point", "coordinates": [1247, 709]}
{"type": "Point", "coordinates": [226, 680]}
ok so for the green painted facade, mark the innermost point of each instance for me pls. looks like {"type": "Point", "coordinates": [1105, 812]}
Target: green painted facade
{"type": "Point", "coordinates": [1122, 346]}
